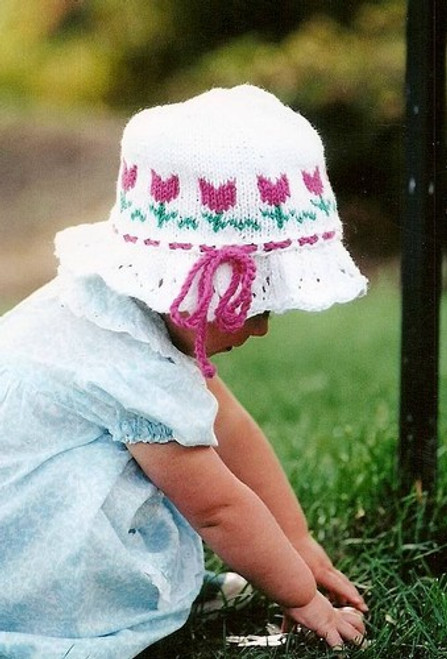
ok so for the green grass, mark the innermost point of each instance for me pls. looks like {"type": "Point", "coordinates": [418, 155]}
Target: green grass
{"type": "Point", "coordinates": [325, 389]}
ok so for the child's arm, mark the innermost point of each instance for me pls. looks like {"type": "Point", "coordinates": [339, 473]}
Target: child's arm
{"type": "Point", "coordinates": [248, 454]}
{"type": "Point", "coordinates": [237, 525]}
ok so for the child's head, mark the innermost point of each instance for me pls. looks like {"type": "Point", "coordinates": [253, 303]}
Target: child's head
{"type": "Point", "coordinates": [224, 211]}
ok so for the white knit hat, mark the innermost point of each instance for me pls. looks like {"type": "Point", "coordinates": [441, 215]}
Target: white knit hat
{"type": "Point", "coordinates": [229, 168]}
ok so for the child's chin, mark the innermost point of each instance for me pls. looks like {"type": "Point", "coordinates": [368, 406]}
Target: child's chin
{"type": "Point", "coordinates": [219, 351]}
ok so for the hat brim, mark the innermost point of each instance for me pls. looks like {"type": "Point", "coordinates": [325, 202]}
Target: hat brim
{"type": "Point", "coordinates": [307, 278]}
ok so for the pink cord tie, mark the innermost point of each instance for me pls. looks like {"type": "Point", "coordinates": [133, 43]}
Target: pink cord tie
{"type": "Point", "coordinates": [231, 311]}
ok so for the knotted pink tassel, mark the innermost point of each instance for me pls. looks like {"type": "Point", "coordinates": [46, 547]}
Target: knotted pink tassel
{"type": "Point", "coordinates": [231, 311]}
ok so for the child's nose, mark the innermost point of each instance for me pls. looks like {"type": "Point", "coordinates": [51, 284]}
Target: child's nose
{"type": "Point", "coordinates": [260, 325]}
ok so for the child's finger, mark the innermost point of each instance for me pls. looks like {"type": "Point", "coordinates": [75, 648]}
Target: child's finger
{"type": "Point", "coordinates": [333, 639]}
{"type": "Point", "coordinates": [342, 590]}
{"type": "Point", "coordinates": [354, 618]}
{"type": "Point", "coordinates": [350, 633]}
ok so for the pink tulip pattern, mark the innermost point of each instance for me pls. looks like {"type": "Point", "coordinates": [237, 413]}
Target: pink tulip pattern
{"type": "Point", "coordinates": [163, 191]}
{"type": "Point", "coordinates": [313, 182]}
{"type": "Point", "coordinates": [128, 180]}
{"type": "Point", "coordinates": [220, 199]}
{"type": "Point", "coordinates": [314, 185]}
{"type": "Point", "coordinates": [274, 194]}
{"type": "Point", "coordinates": [128, 176]}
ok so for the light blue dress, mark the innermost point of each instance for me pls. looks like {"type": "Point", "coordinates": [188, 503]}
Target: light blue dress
{"type": "Point", "coordinates": [95, 560]}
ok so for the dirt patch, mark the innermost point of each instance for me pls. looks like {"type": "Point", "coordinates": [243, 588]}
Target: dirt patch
{"type": "Point", "coordinates": [52, 175]}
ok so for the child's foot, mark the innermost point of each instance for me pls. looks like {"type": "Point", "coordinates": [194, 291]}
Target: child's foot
{"type": "Point", "coordinates": [221, 591]}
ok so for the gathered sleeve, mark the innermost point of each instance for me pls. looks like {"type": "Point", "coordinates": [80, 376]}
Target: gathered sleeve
{"type": "Point", "coordinates": [154, 401]}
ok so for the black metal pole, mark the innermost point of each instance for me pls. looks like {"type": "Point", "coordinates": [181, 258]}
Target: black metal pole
{"type": "Point", "coordinates": [422, 232]}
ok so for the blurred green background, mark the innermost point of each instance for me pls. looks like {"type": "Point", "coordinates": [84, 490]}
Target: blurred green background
{"type": "Point", "coordinates": [72, 71]}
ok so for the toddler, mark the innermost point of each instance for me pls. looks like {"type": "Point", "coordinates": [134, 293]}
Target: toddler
{"type": "Point", "coordinates": [121, 449]}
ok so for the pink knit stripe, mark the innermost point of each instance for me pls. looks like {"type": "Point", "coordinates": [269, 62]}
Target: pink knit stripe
{"type": "Point", "coordinates": [283, 244]}
{"type": "Point", "coordinates": [180, 245]}
{"type": "Point", "coordinates": [308, 240]}
{"type": "Point", "coordinates": [265, 247]}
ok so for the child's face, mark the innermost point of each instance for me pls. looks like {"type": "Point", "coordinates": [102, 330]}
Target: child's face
{"type": "Point", "coordinates": [216, 340]}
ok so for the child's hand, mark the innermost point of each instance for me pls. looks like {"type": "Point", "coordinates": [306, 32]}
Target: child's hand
{"type": "Point", "coordinates": [335, 626]}
{"type": "Point", "coordinates": [338, 587]}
